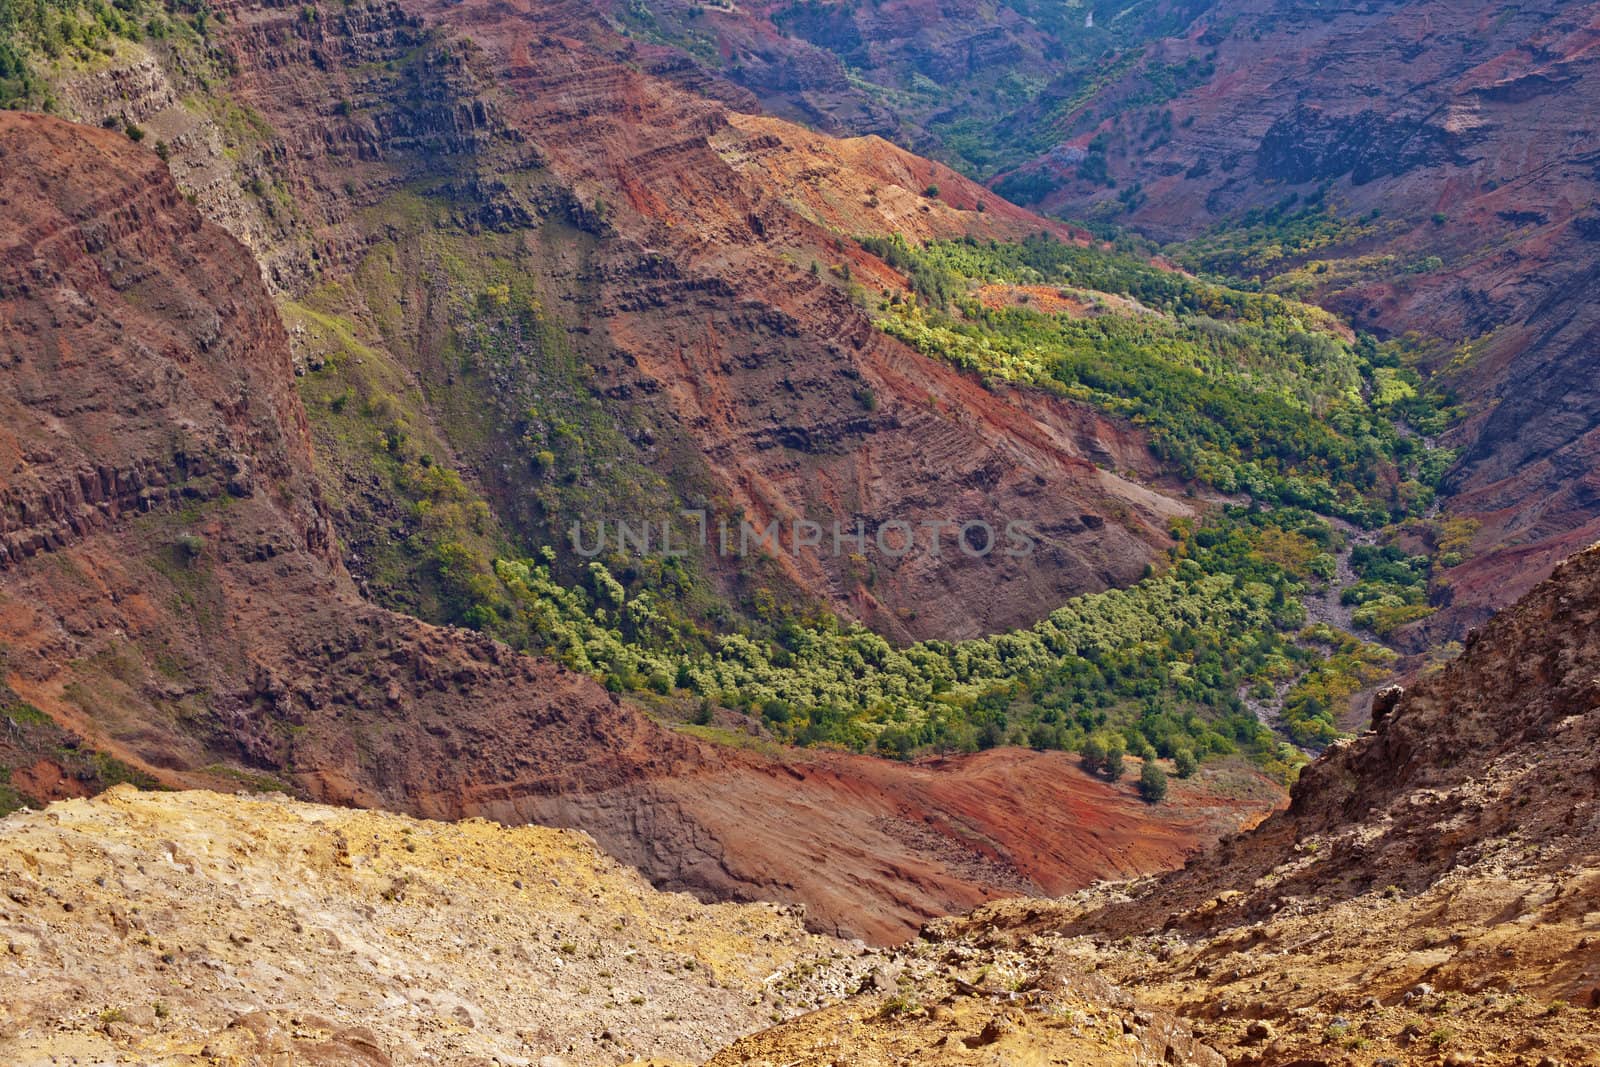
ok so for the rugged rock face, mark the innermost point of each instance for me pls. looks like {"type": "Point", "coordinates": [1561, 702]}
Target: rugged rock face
{"type": "Point", "coordinates": [1450, 121]}
{"type": "Point", "coordinates": [696, 302]}
{"type": "Point", "coordinates": [1428, 893]}
{"type": "Point", "coordinates": [170, 591]}
{"type": "Point", "coordinates": [152, 928]}
{"type": "Point", "coordinates": [1053, 1014]}
{"type": "Point", "coordinates": [874, 848]}
{"type": "Point", "coordinates": [170, 595]}
{"type": "Point", "coordinates": [78, 255]}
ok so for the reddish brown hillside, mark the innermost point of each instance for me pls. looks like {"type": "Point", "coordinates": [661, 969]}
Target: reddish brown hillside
{"type": "Point", "coordinates": [168, 594]}
{"type": "Point", "coordinates": [691, 290]}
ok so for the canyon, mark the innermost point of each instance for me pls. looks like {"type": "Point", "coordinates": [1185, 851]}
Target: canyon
{"type": "Point", "coordinates": [198, 580]}
{"type": "Point", "coordinates": [318, 321]}
{"type": "Point", "coordinates": [175, 610]}
{"type": "Point", "coordinates": [1457, 206]}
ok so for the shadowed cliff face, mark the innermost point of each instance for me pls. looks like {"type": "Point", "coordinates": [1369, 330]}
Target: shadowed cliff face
{"type": "Point", "coordinates": [170, 596]}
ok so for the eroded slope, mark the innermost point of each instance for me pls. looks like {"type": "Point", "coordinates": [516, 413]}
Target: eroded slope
{"type": "Point", "coordinates": [1429, 896]}
{"type": "Point", "coordinates": [170, 597]}
{"type": "Point", "coordinates": [705, 275]}
{"type": "Point", "coordinates": [200, 927]}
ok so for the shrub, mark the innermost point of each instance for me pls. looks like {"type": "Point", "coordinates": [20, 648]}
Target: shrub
{"type": "Point", "coordinates": [1114, 767]}
{"type": "Point", "coordinates": [1094, 754]}
{"type": "Point", "coordinates": [1153, 783]}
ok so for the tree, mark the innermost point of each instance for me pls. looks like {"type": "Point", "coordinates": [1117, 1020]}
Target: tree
{"type": "Point", "coordinates": [1183, 759]}
{"type": "Point", "coordinates": [1114, 764]}
{"type": "Point", "coordinates": [992, 735]}
{"type": "Point", "coordinates": [1094, 754]}
{"type": "Point", "coordinates": [1043, 736]}
{"type": "Point", "coordinates": [1153, 783]}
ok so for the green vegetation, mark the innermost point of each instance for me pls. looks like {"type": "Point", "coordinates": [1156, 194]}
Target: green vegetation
{"type": "Point", "coordinates": [32, 735]}
{"type": "Point", "coordinates": [370, 418]}
{"type": "Point", "coordinates": [1255, 393]}
{"type": "Point", "coordinates": [1392, 590]}
{"type": "Point", "coordinates": [1304, 250]}
{"type": "Point", "coordinates": [1153, 670]}
{"type": "Point", "coordinates": [1346, 666]}
{"type": "Point", "coordinates": [1152, 782]}
{"type": "Point", "coordinates": [10, 799]}
{"type": "Point", "coordinates": [37, 36]}
{"type": "Point", "coordinates": [1245, 390]}
{"type": "Point", "coordinates": [1262, 241]}
{"type": "Point", "coordinates": [1248, 392]}
{"type": "Point", "coordinates": [496, 386]}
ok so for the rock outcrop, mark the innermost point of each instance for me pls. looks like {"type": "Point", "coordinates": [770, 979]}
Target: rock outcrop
{"type": "Point", "coordinates": [206, 928]}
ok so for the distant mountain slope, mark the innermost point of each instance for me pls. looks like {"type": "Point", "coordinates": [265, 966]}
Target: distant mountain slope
{"type": "Point", "coordinates": [1428, 162]}
{"type": "Point", "coordinates": [940, 78]}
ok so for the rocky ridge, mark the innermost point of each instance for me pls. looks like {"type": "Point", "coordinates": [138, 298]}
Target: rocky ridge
{"type": "Point", "coordinates": [1427, 898]}
{"type": "Point", "coordinates": [190, 928]}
